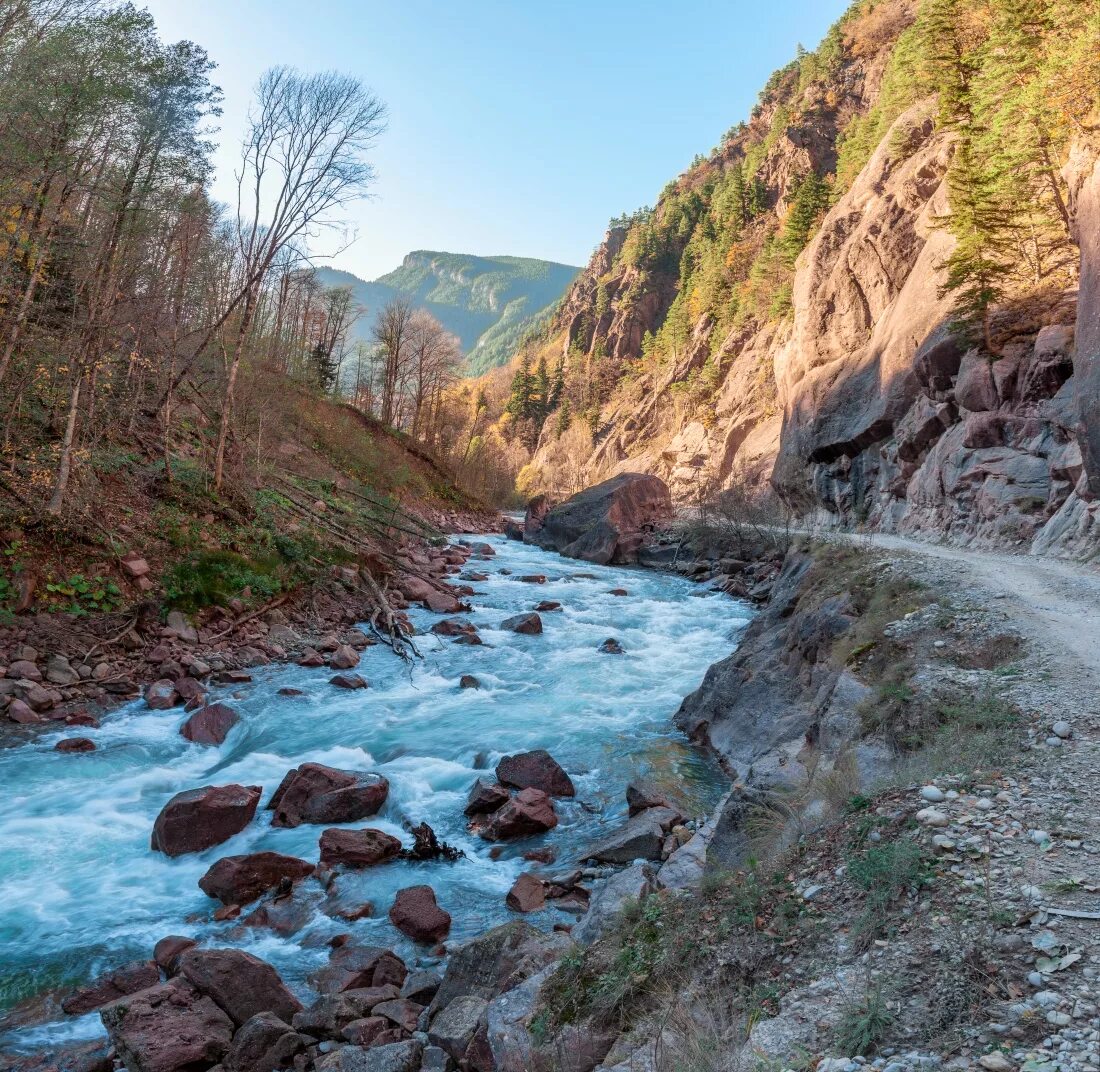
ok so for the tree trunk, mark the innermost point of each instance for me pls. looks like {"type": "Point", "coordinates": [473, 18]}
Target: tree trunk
{"type": "Point", "coordinates": [230, 388]}
{"type": "Point", "coordinates": [64, 468]}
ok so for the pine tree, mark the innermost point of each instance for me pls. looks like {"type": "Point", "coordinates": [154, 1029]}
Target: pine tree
{"type": "Point", "coordinates": [557, 385]}
{"type": "Point", "coordinates": [810, 200]}
{"type": "Point", "coordinates": [519, 398]}
{"type": "Point", "coordinates": [540, 391]}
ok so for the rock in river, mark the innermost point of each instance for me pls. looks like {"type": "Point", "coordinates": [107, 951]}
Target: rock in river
{"type": "Point", "coordinates": [314, 793]}
{"type": "Point", "coordinates": [199, 818]}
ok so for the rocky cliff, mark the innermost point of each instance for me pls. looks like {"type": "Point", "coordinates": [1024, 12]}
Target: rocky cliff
{"type": "Point", "coordinates": [705, 348]}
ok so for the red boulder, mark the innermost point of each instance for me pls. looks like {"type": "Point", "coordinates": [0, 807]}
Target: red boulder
{"type": "Point", "coordinates": [168, 1028]}
{"type": "Point", "coordinates": [198, 818]}
{"type": "Point", "coordinates": [535, 770]}
{"type": "Point", "coordinates": [210, 724]}
{"type": "Point", "coordinates": [241, 984]}
{"type": "Point", "coordinates": [122, 981]}
{"type": "Point", "coordinates": [238, 880]}
{"type": "Point", "coordinates": [416, 913]}
{"type": "Point", "coordinates": [528, 812]}
{"type": "Point", "coordinates": [313, 793]}
{"type": "Point", "coordinates": [357, 848]}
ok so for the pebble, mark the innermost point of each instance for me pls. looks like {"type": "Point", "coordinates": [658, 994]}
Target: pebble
{"type": "Point", "coordinates": [932, 794]}
{"type": "Point", "coordinates": [932, 817]}
{"type": "Point", "coordinates": [1039, 837]}
{"type": "Point", "coordinates": [1063, 730]}
{"type": "Point", "coordinates": [996, 1062]}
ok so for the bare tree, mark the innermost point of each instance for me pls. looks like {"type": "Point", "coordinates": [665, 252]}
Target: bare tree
{"type": "Point", "coordinates": [301, 162]}
{"type": "Point", "coordinates": [393, 332]}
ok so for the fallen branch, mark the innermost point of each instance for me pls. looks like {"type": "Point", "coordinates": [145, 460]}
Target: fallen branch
{"type": "Point", "coordinates": [109, 641]}
{"type": "Point", "coordinates": [249, 617]}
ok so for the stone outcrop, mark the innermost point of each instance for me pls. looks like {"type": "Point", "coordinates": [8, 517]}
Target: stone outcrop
{"type": "Point", "coordinates": [238, 880]}
{"type": "Point", "coordinates": [606, 523]}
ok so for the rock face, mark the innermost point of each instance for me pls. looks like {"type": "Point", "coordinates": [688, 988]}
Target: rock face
{"type": "Point", "coordinates": [238, 880]}
{"type": "Point", "coordinates": [199, 818]}
{"type": "Point", "coordinates": [606, 523]}
{"type": "Point", "coordinates": [535, 770]}
{"type": "Point", "coordinates": [314, 793]}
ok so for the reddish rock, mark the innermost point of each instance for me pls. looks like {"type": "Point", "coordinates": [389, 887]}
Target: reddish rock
{"type": "Point", "coordinates": [528, 894]}
{"type": "Point", "coordinates": [288, 691]}
{"type": "Point", "coordinates": [535, 770]}
{"type": "Point", "coordinates": [116, 984]}
{"type": "Point", "coordinates": [548, 605]}
{"type": "Point", "coordinates": [210, 724]}
{"type": "Point", "coordinates": [344, 658]}
{"type": "Point", "coordinates": [239, 880]}
{"type": "Point", "coordinates": [348, 681]}
{"type": "Point", "coordinates": [485, 797]}
{"type": "Point", "coordinates": [311, 658]}
{"type": "Point", "coordinates": [162, 694]}
{"type": "Point", "coordinates": [134, 564]}
{"type": "Point", "coordinates": [314, 793]}
{"type": "Point", "coordinates": [611, 647]}
{"type": "Point", "coordinates": [168, 1028]}
{"type": "Point", "coordinates": [528, 812]}
{"type": "Point", "coordinates": [357, 848]}
{"type": "Point", "coordinates": [355, 967]}
{"type": "Point", "coordinates": [199, 818]}
{"type": "Point", "coordinates": [533, 578]}
{"type": "Point", "coordinates": [167, 951]}
{"type": "Point", "coordinates": [241, 984]}
{"type": "Point", "coordinates": [75, 744]}
{"type": "Point", "coordinates": [82, 718]}
{"type": "Point", "coordinates": [471, 639]}
{"type": "Point", "coordinates": [528, 624]}
{"type": "Point", "coordinates": [468, 681]}
{"type": "Point", "coordinates": [416, 914]}
{"type": "Point", "coordinates": [191, 691]}
{"type": "Point", "coordinates": [454, 627]}
{"type": "Point", "coordinates": [618, 592]}
{"type": "Point", "coordinates": [23, 713]}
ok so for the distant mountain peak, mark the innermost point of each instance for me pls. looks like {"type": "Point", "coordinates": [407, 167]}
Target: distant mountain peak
{"type": "Point", "coordinates": [489, 302]}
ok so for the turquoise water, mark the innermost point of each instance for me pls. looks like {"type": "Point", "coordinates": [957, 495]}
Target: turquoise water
{"type": "Point", "coordinates": [81, 892]}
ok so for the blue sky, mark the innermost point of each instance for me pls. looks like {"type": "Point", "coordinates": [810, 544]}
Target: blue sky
{"type": "Point", "coordinates": [516, 126]}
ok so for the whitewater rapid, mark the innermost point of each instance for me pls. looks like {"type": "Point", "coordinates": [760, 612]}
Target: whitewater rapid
{"type": "Point", "coordinates": [81, 892]}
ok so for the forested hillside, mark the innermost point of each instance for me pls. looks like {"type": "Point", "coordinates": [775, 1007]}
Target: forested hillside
{"type": "Point", "coordinates": [169, 366]}
{"type": "Point", "coordinates": [906, 175]}
{"type": "Point", "coordinates": [490, 303]}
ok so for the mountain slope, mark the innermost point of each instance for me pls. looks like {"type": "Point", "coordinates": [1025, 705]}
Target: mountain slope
{"type": "Point", "coordinates": [490, 303]}
{"type": "Point", "coordinates": [866, 295]}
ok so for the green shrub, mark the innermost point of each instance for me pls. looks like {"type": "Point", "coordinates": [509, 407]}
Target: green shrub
{"type": "Point", "coordinates": [212, 578]}
{"type": "Point", "coordinates": [82, 595]}
{"type": "Point", "coordinates": [864, 1024]}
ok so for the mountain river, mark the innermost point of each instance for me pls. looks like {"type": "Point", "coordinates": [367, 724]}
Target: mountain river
{"type": "Point", "coordinates": [81, 892]}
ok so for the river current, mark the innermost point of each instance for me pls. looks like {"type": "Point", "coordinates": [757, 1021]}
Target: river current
{"type": "Point", "coordinates": [81, 892]}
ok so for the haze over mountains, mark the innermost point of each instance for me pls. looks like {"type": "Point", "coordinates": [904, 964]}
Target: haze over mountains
{"type": "Point", "coordinates": [490, 303]}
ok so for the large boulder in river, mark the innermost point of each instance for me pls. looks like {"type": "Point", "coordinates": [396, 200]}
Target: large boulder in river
{"type": "Point", "coordinates": [210, 724]}
{"type": "Point", "coordinates": [528, 812]}
{"type": "Point", "coordinates": [199, 818]}
{"type": "Point", "coordinates": [537, 770]}
{"type": "Point", "coordinates": [168, 1028]}
{"type": "Point", "coordinates": [357, 848]}
{"type": "Point", "coordinates": [416, 913]}
{"type": "Point", "coordinates": [606, 523]}
{"type": "Point", "coordinates": [314, 793]}
{"type": "Point", "coordinates": [237, 880]}
{"type": "Point", "coordinates": [241, 984]}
